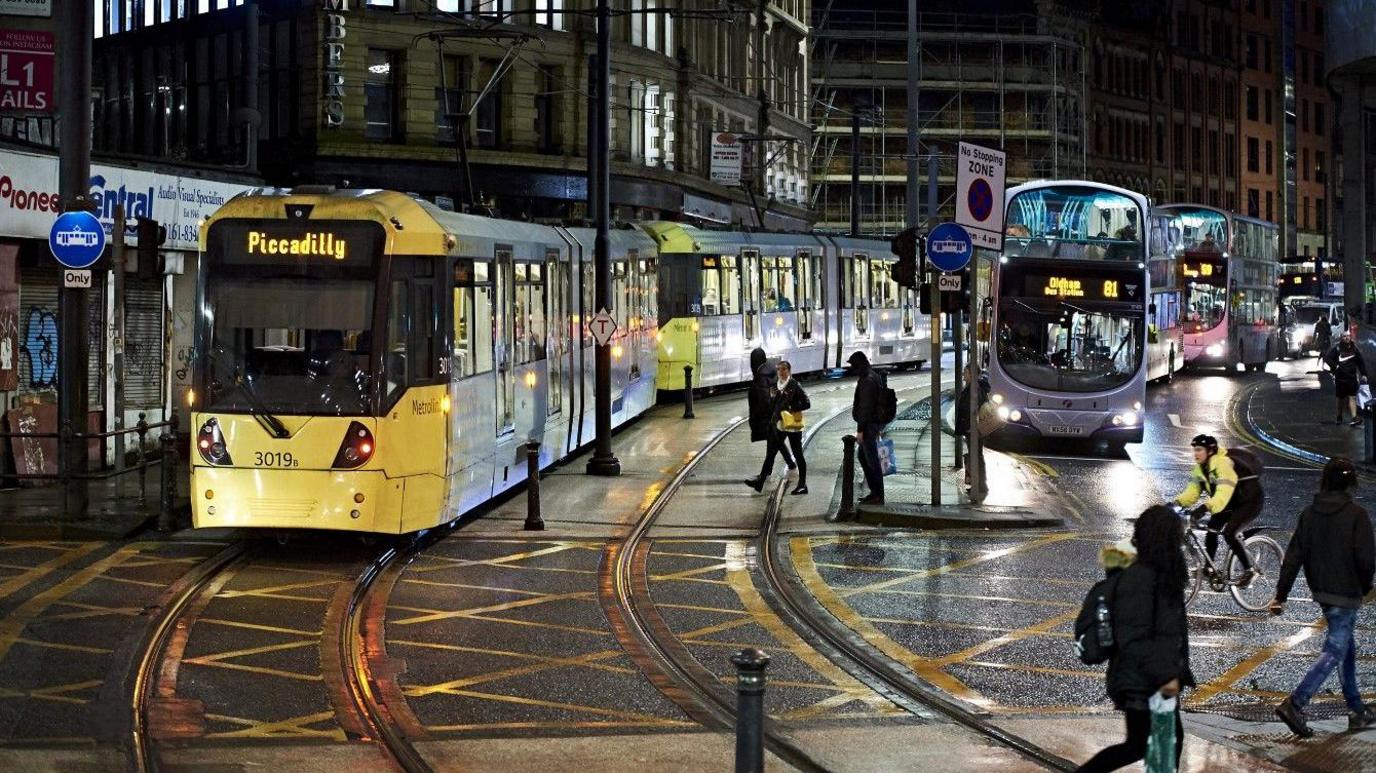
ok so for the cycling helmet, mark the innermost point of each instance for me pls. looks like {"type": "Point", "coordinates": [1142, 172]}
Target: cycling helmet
{"type": "Point", "coordinates": [1207, 442]}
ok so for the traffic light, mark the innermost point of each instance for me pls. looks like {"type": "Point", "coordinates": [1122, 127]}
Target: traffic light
{"type": "Point", "coordinates": [151, 235]}
{"type": "Point", "coordinates": [908, 244]}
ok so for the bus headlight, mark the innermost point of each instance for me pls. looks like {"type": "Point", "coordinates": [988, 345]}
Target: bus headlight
{"type": "Point", "coordinates": [1015, 415]}
{"type": "Point", "coordinates": [357, 448]}
{"type": "Point", "coordinates": [997, 398]}
{"type": "Point", "coordinates": [1003, 413]}
{"type": "Point", "coordinates": [1125, 419]}
{"type": "Point", "coordinates": [1214, 350]}
{"type": "Point", "coordinates": [210, 442]}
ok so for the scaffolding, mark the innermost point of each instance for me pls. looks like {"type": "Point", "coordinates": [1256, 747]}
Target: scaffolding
{"type": "Point", "coordinates": [1015, 82]}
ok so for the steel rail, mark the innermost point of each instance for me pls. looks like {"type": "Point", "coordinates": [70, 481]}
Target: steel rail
{"type": "Point", "coordinates": [142, 755]}
{"type": "Point", "coordinates": [890, 679]}
{"type": "Point", "coordinates": [706, 690]}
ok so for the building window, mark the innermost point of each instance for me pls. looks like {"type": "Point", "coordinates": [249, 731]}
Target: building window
{"type": "Point", "coordinates": [495, 9]}
{"type": "Point", "coordinates": [1266, 55]}
{"type": "Point", "coordinates": [488, 126]}
{"type": "Point", "coordinates": [1304, 214]}
{"type": "Point", "coordinates": [1160, 141]}
{"type": "Point", "coordinates": [1178, 148]}
{"type": "Point", "coordinates": [1253, 202]}
{"type": "Point", "coordinates": [1250, 52]}
{"type": "Point", "coordinates": [1320, 215]}
{"type": "Point", "coordinates": [1196, 151]}
{"type": "Point", "coordinates": [1320, 119]}
{"type": "Point", "coordinates": [1269, 167]}
{"type": "Point", "coordinates": [550, 14]}
{"type": "Point", "coordinates": [451, 98]}
{"type": "Point", "coordinates": [1304, 115]}
{"type": "Point", "coordinates": [1213, 151]}
{"type": "Point", "coordinates": [1270, 209]}
{"type": "Point", "coordinates": [380, 96]}
{"type": "Point", "coordinates": [1304, 164]}
{"type": "Point", "coordinates": [1230, 156]}
{"type": "Point", "coordinates": [1251, 103]}
{"type": "Point", "coordinates": [547, 110]}
{"type": "Point", "coordinates": [1320, 164]}
{"type": "Point", "coordinates": [1270, 108]}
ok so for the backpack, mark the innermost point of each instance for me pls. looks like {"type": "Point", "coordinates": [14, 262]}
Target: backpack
{"type": "Point", "coordinates": [1094, 642]}
{"type": "Point", "coordinates": [1247, 464]}
{"type": "Point", "coordinates": [888, 403]}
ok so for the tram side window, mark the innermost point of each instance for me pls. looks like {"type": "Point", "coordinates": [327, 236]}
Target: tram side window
{"type": "Point", "coordinates": [472, 318]}
{"type": "Point", "coordinates": [530, 313]}
{"type": "Point", "coordinates": [397, 330]}
{"type": "Point", "coordinates": [778, 284]}
{"type": "Point", "coordinates": [423, 329]}
{"type": "Point", "coordinates": [860, 282]}
{"type": "Point", "coordinates": [847, 283]}
{"type": "Point", "coordinates": [649, 299]}
{"type": "Point", "coordinates": [885, 289]}
{"type": "Point", "coordinates": [589, 286]}
{"type": "Point", "coordinates": [721, 286]}
{"type": "Point", "coordinates": [803, 281]}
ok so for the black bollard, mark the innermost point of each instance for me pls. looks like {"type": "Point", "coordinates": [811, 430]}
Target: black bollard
{"type": "Point", "coordinates": [142, 429]}
{"type": "Point", "coordinates": [750, 682]}
{"type": "Point", "coordinates": [1369, 434]}
{"type": "Point", "coordinates": [533, 520]}
{"type": "Point", "coordinates": [169, 479]}
{"type": "Point", "coordinates": [687, 391]}
{"type": "Point", "coordinates": [847, 510]}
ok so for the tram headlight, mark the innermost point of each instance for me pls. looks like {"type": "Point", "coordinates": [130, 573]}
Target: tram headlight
{"type": "Point", "coordinates": [1125, 419]}
{"type": "Point", "coordinates": [1214, 350]}
{"type": "Point", "coordinates": [997, 398]}
{"type": "Point", "coordinates": [1003, 413]}
{"type": "Point", "coordinates": [210, 442]}
{"type": "Point", "coordinates": [357, 448]}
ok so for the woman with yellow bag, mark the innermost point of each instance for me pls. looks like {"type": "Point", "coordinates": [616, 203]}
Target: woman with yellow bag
{"type": "Point", "coordinates": [790, 401]}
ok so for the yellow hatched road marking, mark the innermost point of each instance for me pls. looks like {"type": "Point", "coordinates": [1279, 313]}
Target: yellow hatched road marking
{"type": "Point", "coordinates": [508, 606]}
{"type": "Point", "coordinates": [515, 655]}
{"type": "Point", "coordinates": [66, 647]}
{"type": "Point", "coordinates": [973, 597]}
{"type": "Point", "coordinates": [293, 727]}
{"type": "Point", "coordinates": [30, 574]}
{"type": "Point", "coordinates": [980, 558]}
{"type": "Point", "coordinates": [54, 693]}
{"type": "Point", "coordinates": [446, 562]}
{"type": "Point", "coordinates": [276, 591]}
{"type": "Point", "coordinates": [688, 574]}
{"type": "Point", "coordinates": [90, 610]}
{"type": "Point", "coordinates": [469, 586]}
{"type": "Point", "coordinates": [1078, 673]}
{"type": "Point", "coordinates": [452, 686]}
{"type": "Point", "coordinates": [800, 548]}
{"type": "Point", "coordinates": [584, 725]}
{"type": "Point", "coordinates": [263, 670]}
{"type": "Point", "coordinates": [131, 581]}
{"type": "Point", "coordinates": [1225, 681]}
{"type": "Point", "coordinates": [633, 715]}
{"type": "Point", "coordinates": [13, 625]}
{"type": "Point", "coordinates": [258, 627]}
{"type": "Point", "coordinates": [1008, 638]}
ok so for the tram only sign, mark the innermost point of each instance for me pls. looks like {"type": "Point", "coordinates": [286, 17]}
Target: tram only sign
{"type": "Point", "coordinates": [979, 193]}
{"type": "Point", "coordinates": [602, 326]}
{"type": "Point", "coordinates": [77, 239]}
{"type": "Point", "coordinates": [949, 247]}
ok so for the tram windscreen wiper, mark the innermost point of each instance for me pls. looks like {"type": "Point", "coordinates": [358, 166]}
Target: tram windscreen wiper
{"type": "Point", "coordinates": [260, 412]}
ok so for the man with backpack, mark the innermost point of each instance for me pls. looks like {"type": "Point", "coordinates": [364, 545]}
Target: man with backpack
{"type": "Point", "coordinates": [873, 408]}
{"type": "Point", "coordinates": [1229, 482]}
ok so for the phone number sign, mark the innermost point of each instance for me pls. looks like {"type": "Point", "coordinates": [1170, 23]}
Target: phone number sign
{"type": "Point", "coordinates": [26, 71]}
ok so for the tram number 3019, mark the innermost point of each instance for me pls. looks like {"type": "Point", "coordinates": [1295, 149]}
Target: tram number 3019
{"type": "Point", "coordinates": [274, 459]}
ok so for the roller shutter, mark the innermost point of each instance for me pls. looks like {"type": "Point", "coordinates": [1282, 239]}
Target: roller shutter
{"type": "Point", "coordinates": [143, 344]}
{"type": "Point", "coordinates": [38, 334]}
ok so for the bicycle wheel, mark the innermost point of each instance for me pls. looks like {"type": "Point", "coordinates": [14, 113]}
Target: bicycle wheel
{"type": "Point", "coordinates": [1194, 565]}
{"type": "Point", "coordinates": [1266, 558]}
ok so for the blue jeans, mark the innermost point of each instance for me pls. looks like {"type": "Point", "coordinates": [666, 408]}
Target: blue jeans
{"type": "Point", "coordinates": [868, 451]}
{"type": "Point", "coordinates": [1340, 647]}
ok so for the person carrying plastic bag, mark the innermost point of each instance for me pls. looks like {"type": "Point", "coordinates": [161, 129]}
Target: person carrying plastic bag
{"type": "Point", "coordinates": [1150, 658]}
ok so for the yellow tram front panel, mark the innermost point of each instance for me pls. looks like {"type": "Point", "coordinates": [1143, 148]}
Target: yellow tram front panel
{"type": "Point", "coordinates": [291, 482]}
{"type": "Point", "coordinates": [678, 346]}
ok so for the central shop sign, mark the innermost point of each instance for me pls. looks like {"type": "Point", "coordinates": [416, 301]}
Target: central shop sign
{"type": "Point", "coordinates": [333, 53]}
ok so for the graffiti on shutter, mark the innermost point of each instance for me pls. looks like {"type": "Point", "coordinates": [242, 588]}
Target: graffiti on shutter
{"type": "Point", "coordinates": [143, 344]}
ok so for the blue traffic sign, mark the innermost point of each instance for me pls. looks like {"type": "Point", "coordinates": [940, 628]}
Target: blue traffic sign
{"type": "Point", "coordinates": [949, 247]}
{"type": "Point", "coordinates": [76, 239]}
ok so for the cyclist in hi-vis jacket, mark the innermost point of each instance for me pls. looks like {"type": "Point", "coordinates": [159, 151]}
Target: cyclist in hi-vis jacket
{"type": "Point", "coordinates": [1234, 496]}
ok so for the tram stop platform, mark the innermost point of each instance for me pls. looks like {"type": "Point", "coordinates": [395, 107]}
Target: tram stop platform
{"type": "Point", "coordinates": [1292, 412]}
{"type": "Point", "coordinates": [1016, 497]}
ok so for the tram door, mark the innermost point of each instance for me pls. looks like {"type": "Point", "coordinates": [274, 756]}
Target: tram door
{"type": "Point", "coordinates": [750, 301]}
{"type": "Point", "coordinates": [557, 275]}
{"type": "Point", "coordinates": [504, 355]}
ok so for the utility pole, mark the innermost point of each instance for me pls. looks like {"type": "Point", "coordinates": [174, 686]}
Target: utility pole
{"type": "Point", "coordinates": [117, 259]}
{"type": "Point", "coordinates": [914, 76]}
{"type": "Point", "coordinates": [603, 461]}
{"type": "Point", "coordinates": [932, 276]}
{"type": "Point", "coordinates": [74, 34]}
{"type": "Point", "coordinates": [762, 120]}
{"type": "Point", "coordinates": [855, 171]}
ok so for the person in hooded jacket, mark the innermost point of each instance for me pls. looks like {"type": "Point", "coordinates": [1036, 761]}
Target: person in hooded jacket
{"type": "Point", "coordinates": [763, 391]}
{"type": "Point", "coordinates": [865, 410]}
{"type": "Point", "coordinates": [789, 398]}
{"type": "Point", "coordinates": [1333, 542]}
{"type": "Point", "coordinates": [1349, 370]}
{"type": "Point", "coordinates": [1152, 653]}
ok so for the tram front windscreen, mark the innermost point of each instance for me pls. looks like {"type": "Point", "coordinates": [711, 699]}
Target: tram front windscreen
{"type": "Point", "coordinates": [287, 317]}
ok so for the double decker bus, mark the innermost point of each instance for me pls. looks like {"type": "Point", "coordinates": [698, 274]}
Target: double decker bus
{"type": "Point", "coordinates": [1228, 272]}
{"type": "Point", "coordinates": [1068, 313]}
{"type": "Point", "coordinates": [1165, 331]}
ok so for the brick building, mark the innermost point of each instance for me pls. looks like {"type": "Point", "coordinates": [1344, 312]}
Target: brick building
{"type": "Point", "coordinates": [367, 92]}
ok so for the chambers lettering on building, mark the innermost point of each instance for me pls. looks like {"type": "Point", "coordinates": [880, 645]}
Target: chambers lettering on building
{"type": "Point", "coordinates": [332, 53]}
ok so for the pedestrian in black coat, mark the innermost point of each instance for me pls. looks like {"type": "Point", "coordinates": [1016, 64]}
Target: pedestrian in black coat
{"type": "Point", "coordinates": [865, 410]}
{"type": "Point", "coordinates": [790, 398]}
{"type": "Point", "coordinates": [1152, 653]}
{"type": "Point", "coordinates": [1333, 543]}
{"type": "Point", "coordinates": [1349, 370]}
{"type": "Point", "coordinates": [760, 400]}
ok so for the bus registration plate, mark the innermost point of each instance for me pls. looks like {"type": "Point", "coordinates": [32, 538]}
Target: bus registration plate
{"type": "Point", "coordinates": [1063, 430]}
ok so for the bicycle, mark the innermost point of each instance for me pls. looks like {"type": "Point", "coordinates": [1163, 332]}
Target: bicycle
{"type": "Point", "coordinates": [1253, 593]}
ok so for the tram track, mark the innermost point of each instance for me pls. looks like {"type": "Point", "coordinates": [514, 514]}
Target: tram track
{"type": "Point", "coordinates": [847, 649]}
{"type": "Point", "coordinates": [148, 672]}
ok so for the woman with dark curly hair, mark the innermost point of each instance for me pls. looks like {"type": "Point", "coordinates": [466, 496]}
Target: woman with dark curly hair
{"type": "Point", "coordinates": [1152, 652]}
